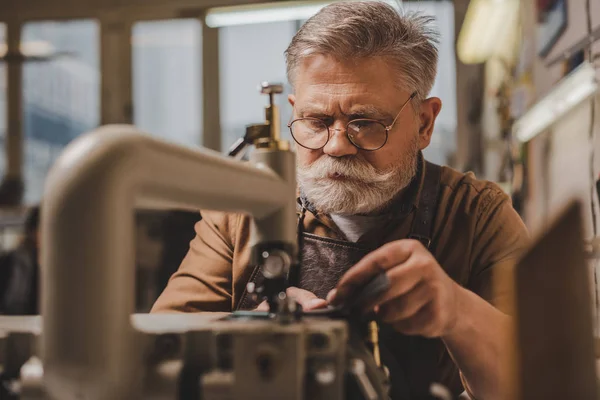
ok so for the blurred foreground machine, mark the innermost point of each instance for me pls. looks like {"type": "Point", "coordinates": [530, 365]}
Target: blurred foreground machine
{"type": "Point", "coordinates": [88, 346]}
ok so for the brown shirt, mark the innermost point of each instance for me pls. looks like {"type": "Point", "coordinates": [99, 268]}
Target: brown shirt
{"type": "Point", "coordinates": [476, 234]}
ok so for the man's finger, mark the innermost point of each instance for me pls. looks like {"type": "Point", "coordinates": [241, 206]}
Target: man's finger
{"type": "Point", "coordinates": [314, 304]}
{"type": "Point", "coordinates": [403, 278]}
{"type": "Point", "coordinates": [406, 306]}
{"type": "Point", "coordinates": [331, 295]}
{"type": "Point", "coordinates": [300, 294]}
{"type": "Point", "coordinates": [378, 261]}
{"type": "Point", "coordinates": [308, 300]}
{"type": "Point", "coordinates": [419, 323]}
{"type": "Point", "coordinates": [264, 306]}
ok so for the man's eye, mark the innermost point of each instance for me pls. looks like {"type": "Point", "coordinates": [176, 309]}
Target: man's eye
{"type": "Point", "coordinates": [315, 124]}
{"type": "Point", "coordinates": [362, 124]}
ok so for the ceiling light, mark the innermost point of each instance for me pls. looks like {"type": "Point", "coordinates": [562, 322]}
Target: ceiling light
{"type": "Point", "coordinates": [32, 48]}
{"type": "Point", "coordinates": [487, 29]}
{"type": "Point", "coordinates": [267, 12]}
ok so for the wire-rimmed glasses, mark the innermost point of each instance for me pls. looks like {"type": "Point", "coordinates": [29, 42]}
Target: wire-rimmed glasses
{"type": "Point", "coordinates": [364, 133]}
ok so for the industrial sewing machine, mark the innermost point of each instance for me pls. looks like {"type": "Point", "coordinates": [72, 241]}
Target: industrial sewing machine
{"type": "Point", "coordinates": [90, 347]}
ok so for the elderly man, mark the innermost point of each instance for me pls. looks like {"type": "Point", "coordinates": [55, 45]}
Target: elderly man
{"type": "Point", "coordinates": [369, 202]}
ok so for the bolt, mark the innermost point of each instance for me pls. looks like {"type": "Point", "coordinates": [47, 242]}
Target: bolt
{"type": "Point", "coordinates": [325, 375]}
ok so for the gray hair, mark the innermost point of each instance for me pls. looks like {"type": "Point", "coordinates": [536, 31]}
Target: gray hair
{"type": "Point", "coordinates": [350, 30]}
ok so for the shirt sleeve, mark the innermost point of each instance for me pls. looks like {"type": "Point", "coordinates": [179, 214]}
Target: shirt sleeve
{"type": "Point", "coordinates": [500, 239]}
{"type": "Point", "coordinates": [203, 282]}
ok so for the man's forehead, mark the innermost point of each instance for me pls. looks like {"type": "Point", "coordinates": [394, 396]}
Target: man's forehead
{"type": "Point", "coordinates": [328, 69]}
{"type": "Point", "coordinates": [330, 108]}
{"type": "Point", "coordinates": [348, 102]}
{"type": "Point", "coordinates": [330, 87]}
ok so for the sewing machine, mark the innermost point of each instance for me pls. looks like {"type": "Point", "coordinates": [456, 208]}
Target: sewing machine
{"type": "Point", "coordinates": [91, 347]}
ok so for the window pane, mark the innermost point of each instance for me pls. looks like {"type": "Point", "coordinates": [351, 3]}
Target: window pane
{"type": "Point", "coordinates": [167, 80]}
{"type": "Point", "coordinates": [443, 141]}
{"type": "Point", "coordinates": [61, 95]}
{"type": "Point", "coordinates": [245, 63]}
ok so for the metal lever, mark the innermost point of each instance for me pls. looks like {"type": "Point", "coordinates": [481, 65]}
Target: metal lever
{"type": "Point", "coordinates": [237, 148]}
{"type": "Point", "coordinates": [253, 134]}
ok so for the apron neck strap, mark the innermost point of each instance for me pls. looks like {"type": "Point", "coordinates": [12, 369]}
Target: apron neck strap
{"type": "Point", "coordinates": [422, 226]}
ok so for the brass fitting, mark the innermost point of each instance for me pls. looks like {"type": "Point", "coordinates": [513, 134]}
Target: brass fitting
{"type": "Point", "coordinates": [270, 131]}
{"type": "Point", "coordinates": [374, 341]}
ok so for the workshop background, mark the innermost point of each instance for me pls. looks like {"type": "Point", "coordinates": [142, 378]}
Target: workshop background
{"type": "Point", "coordinates": [188, 72]}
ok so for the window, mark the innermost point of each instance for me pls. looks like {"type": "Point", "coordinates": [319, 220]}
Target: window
{"type": "Point", "coordinates": [251, 54]}
{"type": "Point", "coordinates": [167, 79]}
{"type": "Point", "coordinates": [61, 94]}
{"type": "Point", "coordinates": [443, 141]}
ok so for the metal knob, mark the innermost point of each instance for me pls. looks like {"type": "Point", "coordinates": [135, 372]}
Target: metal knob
{"type": "Point", "coordinates": [267, 88]}
{"type": "Point", "coordinates": [275, 263]}
{"type": "Point", "coordinates": [271, 90]}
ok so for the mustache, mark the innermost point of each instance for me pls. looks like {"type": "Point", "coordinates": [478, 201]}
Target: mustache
{"type": "Point", "coordinates": [350, 167]}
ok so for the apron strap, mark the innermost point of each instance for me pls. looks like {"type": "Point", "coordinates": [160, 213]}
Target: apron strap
{"type": "Point", "coordinates": [422, 227]}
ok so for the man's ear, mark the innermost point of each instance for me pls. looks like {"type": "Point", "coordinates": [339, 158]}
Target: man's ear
{"type": "Point", "coordinates": [292, 99]}
{"type": "Point", "coordinates": [429, 111]}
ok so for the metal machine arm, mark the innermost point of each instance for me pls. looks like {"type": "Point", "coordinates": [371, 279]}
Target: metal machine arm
{"type": "Point", "coordinates": [88, 344]}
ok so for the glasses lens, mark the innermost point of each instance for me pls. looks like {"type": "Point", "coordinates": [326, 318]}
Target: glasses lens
{"type": "Point", "coordinates": [367, 134]}
{"type": "Point", "coordinates": [309, 133]}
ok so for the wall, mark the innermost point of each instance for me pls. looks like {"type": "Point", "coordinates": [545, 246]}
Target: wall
{"type": "Point", "coordinates": [559, 162]}
{"type": "Point", "coordinates": [469, 93]}
{"type": "Point", "coordinates": [564, 162]}
{"type": "Point", "coordinates": [544, 77]}
{"type": "Point", "coordinates": [251, 54]}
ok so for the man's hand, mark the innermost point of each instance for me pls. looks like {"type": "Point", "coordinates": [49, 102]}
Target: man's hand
{"type": "Point", "coordinates": [307, 300]}
{"type": "Point", "coordinates": [421, 300]}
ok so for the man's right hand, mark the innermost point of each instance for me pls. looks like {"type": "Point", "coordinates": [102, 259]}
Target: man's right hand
{"type": "Point", "coordinates": [306, 299]}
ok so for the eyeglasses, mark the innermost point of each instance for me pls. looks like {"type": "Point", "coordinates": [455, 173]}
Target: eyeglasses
{"type": "Point", "coordinates": [365, 134]}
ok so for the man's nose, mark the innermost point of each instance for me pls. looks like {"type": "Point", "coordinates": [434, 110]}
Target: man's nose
{"type": "Point", "coordinates": [339, 145]}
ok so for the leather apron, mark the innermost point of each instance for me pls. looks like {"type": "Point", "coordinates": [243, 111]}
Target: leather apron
{"type": "Point", "coordinates": [325, 260]}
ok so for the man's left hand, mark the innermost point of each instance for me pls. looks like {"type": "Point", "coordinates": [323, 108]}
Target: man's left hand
{"type": "Point", "coordinates": [421, 300]}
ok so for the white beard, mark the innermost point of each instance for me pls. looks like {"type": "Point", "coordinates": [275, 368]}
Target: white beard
{"type": "Point", "coordinates": [365, 190]}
